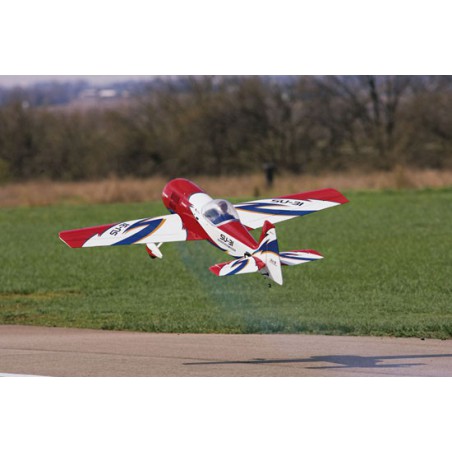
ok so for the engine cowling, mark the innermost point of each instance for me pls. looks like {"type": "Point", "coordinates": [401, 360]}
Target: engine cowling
{"type": "Point", "coordinates": [177, 192]}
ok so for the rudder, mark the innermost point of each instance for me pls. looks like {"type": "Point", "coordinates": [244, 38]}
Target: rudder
{"type": "Point", "coordinates": [268, 252]}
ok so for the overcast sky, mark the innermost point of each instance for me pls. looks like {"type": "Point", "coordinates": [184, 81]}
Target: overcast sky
{"type": "Point", "coordinates": [26, 80]}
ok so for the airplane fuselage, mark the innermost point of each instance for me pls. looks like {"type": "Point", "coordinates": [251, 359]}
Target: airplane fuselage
{"type": "Point", "coordinates": [189, 201]}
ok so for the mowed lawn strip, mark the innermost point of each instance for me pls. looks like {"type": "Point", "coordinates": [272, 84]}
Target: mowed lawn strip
{"type": "Point", "coordinates": [387, 271]}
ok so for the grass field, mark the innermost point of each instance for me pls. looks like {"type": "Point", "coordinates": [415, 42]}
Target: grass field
{"type": "Point", "coordinates": [387, 271]}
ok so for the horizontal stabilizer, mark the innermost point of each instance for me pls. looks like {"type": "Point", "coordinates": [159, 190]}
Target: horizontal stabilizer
{"type": "Point", "coordinates": [244, 265]}
{"type": "Point", "coordinates": [299, 257]}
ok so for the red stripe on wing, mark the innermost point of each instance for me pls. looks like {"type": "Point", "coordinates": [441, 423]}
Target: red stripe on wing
{"type": "Point", "coordinates": [306, 251]}
{"type": "Point", "coordinates": [326, 194]}
{"type": "Point", "coordinates": [76, 238]}
{"type": "Point", "coordinates": [217, 268]}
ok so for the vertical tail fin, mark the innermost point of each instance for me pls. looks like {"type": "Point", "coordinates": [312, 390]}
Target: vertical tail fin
{"type": "Point", "coordinates": [268, 253]}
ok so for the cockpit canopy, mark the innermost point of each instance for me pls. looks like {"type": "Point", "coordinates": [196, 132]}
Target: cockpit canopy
{"type": "Point", "coordinates": [219, 211]}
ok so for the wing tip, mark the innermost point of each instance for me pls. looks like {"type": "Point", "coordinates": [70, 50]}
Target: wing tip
{"type": "Point", "coordinates": [215, 269]}
{"type": "Point", "coordinates": [76, 238]}
{"type": "Point", "coordinates": [324, 194]}
{"type": "Point", "coordinates": [337, 196]}
{"type": "Point", "coordinates": [71, 239]}
{"type": "Point", "coordinates": [61, 237]}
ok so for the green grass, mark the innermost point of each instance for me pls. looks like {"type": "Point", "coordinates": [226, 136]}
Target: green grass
{"type": "Point", "coordinates": [387, 271]}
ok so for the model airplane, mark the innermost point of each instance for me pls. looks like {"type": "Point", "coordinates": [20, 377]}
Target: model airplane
{"type": "Point", "coordinates": [196, 216]}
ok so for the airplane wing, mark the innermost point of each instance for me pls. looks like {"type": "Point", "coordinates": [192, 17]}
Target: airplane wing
{"type": "Point", "coordinates": [168, 228]}
{"type": "Point", "coordinates": [254, 214]}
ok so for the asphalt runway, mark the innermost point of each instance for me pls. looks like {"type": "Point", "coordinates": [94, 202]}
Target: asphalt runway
{"type": "Point", "coordinates": [28, 350]}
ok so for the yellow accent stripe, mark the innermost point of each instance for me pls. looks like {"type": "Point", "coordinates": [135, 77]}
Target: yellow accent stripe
{"type": "Point", "coordinates": [152, 232]}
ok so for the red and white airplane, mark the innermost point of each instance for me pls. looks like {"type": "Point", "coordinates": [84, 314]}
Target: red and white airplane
{"type": "Point", "coordinates": [196, 216]}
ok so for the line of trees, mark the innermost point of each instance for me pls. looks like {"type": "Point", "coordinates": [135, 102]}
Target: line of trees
{"type": "Point", "coordinates": [230, 125]}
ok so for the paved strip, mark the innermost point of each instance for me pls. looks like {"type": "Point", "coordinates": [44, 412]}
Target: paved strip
{"type": "Point", "coordinates": [18, 375]}
{"type": "Point", "coordinates": [81, 352]}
